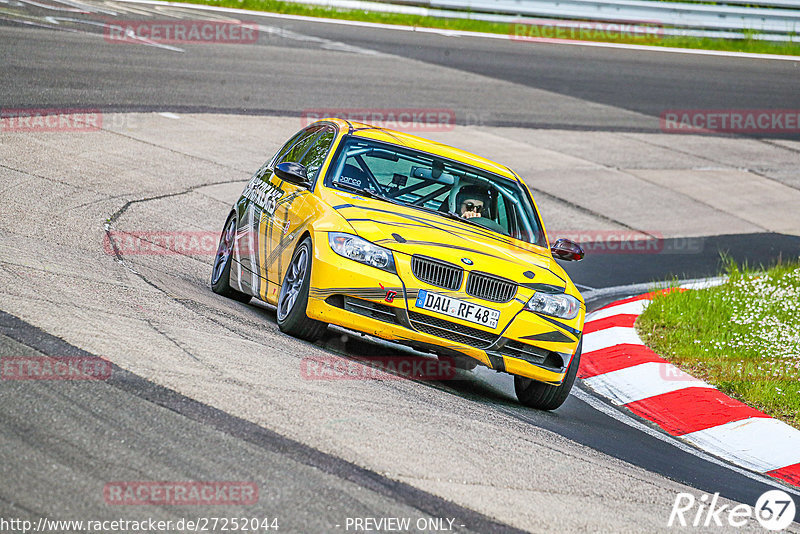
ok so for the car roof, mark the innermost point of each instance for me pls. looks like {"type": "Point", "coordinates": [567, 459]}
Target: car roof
{"type": "Point", "coordinates": [368, 131]}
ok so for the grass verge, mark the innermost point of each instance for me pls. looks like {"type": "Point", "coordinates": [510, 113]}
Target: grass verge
{"type": "Point", "coordinates": [291, 8]}
{"type": "Point", "coordinates": [742, 336]}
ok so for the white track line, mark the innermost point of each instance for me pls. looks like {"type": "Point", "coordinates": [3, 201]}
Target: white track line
{"type": "Point", "coordinates": [326, 44]}
{"type": "Point", "coordinates": [456, 33]}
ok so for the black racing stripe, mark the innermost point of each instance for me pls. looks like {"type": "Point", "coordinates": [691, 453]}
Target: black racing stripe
{"type": "Point", "coordinates": [355, 291]}
{"type": "Point", "coordinates": [551, 337]}
{"type": "Point", "coordinates": [361, 289]}
{"type": "Point", "coordinates": [290, 198]}
{"type": "Point", "coordinates": [453, 229]}
{"type": "Point", "coordinates": [268, 266]}
{"type": "Point", "coordinates": [497, 362]}
{"type": "Point", "coordinates": [559, 324]}
{"type": "Point", "coordinates": [544, 288]}
{"type": "Point", "coordinates": [433, 223]}
{"type": "Point", "coordinates": [455, 247]}
{"type": "Point", "coordinates": [259, 239]}
{"type": "Point", "coordinates": [422, 223]}
{"type": "Point", "coordinates": [284, 242]}
{"type": "Point", "coordinates": [399, 224]}
{"type": "Point", "coordinates": [427, 225]}
{"type": "Point", "coordinates": [450, 227]}
{"type": "Point", "coordinates": [281, 245]}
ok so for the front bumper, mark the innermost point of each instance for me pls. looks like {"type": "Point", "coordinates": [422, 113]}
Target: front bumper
{"type": "Point", "coordinates": [363, 298]}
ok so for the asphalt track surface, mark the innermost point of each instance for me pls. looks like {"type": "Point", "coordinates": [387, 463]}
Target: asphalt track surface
{"type": "Point", "coordinates": [282, 75]}
{"type": "Point", "coordinates": [60, 439]}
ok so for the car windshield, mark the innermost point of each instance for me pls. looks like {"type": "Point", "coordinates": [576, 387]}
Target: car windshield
{"type": "Point", "coordinates": [428, 182]}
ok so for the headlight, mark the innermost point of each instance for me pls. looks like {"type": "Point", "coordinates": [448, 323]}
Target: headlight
{"type": "Point", "coordinates": [558, 305]}
{"type": "Point", "coordinates": [362, 251]}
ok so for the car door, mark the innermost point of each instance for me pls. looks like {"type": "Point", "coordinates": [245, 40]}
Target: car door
{"type": "Point", "coordinates": [252, 240]}
{"type": "Point", "coordinates": [292, 212]}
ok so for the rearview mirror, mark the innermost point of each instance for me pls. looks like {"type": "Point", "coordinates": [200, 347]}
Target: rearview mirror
{"type": "Point", "coordinates": [564, 249]}
{"type": "Point", "coordinates": [426, 173]}
{"type": "Point", "coordinates": [293, 173]}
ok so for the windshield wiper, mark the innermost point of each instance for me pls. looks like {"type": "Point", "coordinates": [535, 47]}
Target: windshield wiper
{"type": "Point", "coordinates": [366, 193]}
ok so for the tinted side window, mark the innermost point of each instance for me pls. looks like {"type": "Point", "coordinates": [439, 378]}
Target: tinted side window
{"type": "Point", "coordinates": [286, 147]}
{"type": "Point", "coordinates": [315, 155]}
{"type": "Point", "coordinates": [301, 145]}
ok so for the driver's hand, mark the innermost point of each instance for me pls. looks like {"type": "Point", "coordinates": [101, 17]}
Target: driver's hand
{"type": "Point", "coordinates": [471, 214]}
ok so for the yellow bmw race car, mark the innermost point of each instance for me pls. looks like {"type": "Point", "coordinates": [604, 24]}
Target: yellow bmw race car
{"type": "Point", "coordinates": [412, 241]}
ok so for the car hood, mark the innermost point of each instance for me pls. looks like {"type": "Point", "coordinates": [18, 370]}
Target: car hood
{"type": "Point", "coordinates": [412, 231]}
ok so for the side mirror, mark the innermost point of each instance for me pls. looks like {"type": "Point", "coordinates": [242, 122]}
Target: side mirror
{"type": "Point", "coordinates": [564, 249]}
{"type": "Point", "coordinates": [294, 173]}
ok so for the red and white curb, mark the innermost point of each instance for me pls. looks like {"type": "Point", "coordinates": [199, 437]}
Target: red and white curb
{"type": "Point", "coordinates": [617, 365]}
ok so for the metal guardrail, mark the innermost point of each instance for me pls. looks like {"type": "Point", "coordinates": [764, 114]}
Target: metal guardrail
{"type": "Point", "coordinates": [780, 22]}
{"type": "Point", "coordinates": [683, 15]}
{"type": "Point", "coordinates": [791, 4]}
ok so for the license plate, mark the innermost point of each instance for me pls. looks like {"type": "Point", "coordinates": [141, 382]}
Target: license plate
{"type": "Point", "coordinates": [474, 313]}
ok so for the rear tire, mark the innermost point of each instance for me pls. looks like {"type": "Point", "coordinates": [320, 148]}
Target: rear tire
{"type": "Point", "coordinates": [293, 298]}
{"type": "Point", "coordinates": [221, 271]}
{"type": "Point", "coordinates": [543, 396]}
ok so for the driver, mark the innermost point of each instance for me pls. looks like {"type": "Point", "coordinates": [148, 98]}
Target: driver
{"type": "Point", "coordinates": [473, 201]}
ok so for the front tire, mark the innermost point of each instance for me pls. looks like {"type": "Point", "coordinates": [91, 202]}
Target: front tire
{"type": "Point", "coordinates": [293, 298]}
{"type": "Point", "coordinates": [221, 271]}
{"type": "Point", "coordinates": [543, 396]}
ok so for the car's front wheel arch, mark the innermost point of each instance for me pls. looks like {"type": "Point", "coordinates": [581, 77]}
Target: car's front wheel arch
{"type": "Point", "coordinates": [544, 396]}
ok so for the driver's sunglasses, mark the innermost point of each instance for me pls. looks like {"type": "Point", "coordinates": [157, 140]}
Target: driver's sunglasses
{"type": "Point", "coordinates": [473, 207]}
